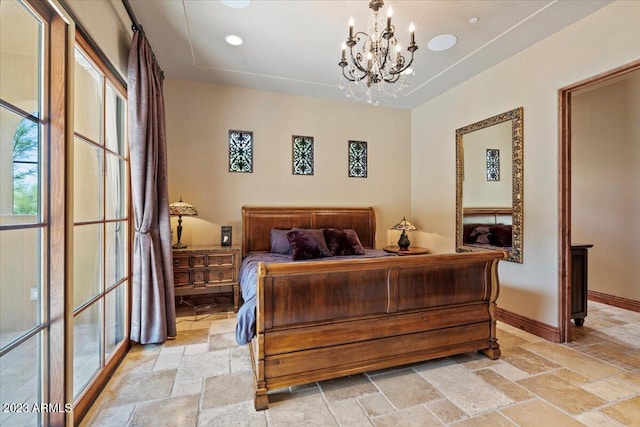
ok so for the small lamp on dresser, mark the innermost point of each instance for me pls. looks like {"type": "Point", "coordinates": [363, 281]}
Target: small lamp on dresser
{"type": "Point", "coordinates": [404, 225]}
{"type": "Point", "coordinates": [181, 208]}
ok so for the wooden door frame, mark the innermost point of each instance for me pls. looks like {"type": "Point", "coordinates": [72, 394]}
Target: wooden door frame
{"type": "Point", "coordinates": [564, 159]}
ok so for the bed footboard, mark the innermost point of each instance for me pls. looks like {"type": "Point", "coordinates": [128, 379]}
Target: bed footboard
{"type": "Point", "coordinates": [322, 320]}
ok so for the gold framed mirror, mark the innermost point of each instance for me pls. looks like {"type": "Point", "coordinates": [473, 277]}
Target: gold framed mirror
{"type": "Point", "coordinates": [489, 185]}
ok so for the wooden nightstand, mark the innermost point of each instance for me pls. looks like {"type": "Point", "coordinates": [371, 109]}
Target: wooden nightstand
{"type": "Point", "coordinates": [413, 250]}
{"type": "Point", "coordinates": [198, 270]}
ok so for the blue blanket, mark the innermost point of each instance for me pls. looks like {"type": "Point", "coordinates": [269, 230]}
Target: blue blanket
{"type": "Point", "coordinates": [246, 318]}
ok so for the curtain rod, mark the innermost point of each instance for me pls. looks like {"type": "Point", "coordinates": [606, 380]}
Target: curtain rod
{"type": "Point", "coordinates": [135, 25]}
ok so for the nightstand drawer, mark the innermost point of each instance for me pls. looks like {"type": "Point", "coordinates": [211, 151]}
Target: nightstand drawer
{"type": "Point", "coordinates": [198, 277]}
{"type": "Point", "coordinates": [181, 261]}
{"type": "Point", "coordinates": [222, 259]}
{"type": "Point", "coordinates": [220, 275]}
{"type": "Point", "coordinates": [203, 276]}
{"type": "Point", "coordinates": [198, 260]}
{"type": "Point", "coordinates": [181, 278]}
{"type": "Point", "coordinates": [201, 260]}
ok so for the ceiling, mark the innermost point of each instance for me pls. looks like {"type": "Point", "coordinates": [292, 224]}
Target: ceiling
{"type": "Point", "coordinates": [293, 46]}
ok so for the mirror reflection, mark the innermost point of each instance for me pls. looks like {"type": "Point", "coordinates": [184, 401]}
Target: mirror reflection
{"type": "Point", "coordinates": [489, 185]}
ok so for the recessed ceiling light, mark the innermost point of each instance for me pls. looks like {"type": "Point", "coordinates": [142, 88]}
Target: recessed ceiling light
{"type": "Point", "coordinates": [473, 19]}
{"type": "Point", "coordinates": [233, 40]}
{"type": "Point", "coordinates": [442, 42]}
{"type": "Point", "coordinates": [236, 4]}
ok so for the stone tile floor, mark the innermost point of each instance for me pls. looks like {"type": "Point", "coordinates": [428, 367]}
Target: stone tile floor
{"type": "Point", "coordinates": [203, 378]}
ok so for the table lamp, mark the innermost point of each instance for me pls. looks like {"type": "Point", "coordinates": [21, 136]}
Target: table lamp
{"type": "Point", "coordinates": [181, 208]}
{"type": "Point", "coordinates": [404, 225]}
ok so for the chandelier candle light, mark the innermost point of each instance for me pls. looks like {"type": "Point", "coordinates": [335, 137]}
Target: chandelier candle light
{"type": "Point", "coordinates": [181, 208]}
{"type": "Point", "coordinates": [376, 68]}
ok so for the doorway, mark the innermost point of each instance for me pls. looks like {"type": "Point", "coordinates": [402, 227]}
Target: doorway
{"type": "Point", "coordinates": [565, 97]}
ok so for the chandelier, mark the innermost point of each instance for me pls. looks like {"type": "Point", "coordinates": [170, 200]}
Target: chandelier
{"type": "Point", "coordinates": [376, 68]}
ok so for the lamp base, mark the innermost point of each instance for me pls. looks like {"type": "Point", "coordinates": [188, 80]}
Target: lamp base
{"type": "Point", "coordinates": [178, 244]}
{"type": "Point", "coordinates": [403, 242]}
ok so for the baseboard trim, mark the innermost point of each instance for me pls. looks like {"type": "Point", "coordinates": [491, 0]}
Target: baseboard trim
{"type": "Point", "coordinates": [549, 333]}
{"type": "Point", "coordinates": [613, 300]}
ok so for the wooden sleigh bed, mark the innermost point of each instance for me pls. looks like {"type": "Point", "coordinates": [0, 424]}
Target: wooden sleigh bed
{"type": "Point", "coordinates": [326, 319]}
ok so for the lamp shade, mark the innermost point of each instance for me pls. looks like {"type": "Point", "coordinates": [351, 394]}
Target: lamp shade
{"type": "Point", "coordinates": [404, 225]}
{"type": "Point", "coordinates": [182, 208]}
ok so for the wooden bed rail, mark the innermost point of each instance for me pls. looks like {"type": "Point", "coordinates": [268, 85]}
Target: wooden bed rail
{"type": "Point", "coordinates": [321, 320]}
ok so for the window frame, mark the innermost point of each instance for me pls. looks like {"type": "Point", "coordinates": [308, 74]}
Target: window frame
{"type": "Point", "coordinates": [50, 218]}
{"type": "Point", "coordinates": [83, 401]}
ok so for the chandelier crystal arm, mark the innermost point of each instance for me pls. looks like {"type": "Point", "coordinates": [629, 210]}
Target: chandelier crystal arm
{"type": "Point", "coordinates": [357, 58]}
{"type": "Point", "coordinates": [396, 72]}
{"type": "Point", "coordinates": [387, 35]}
{"type": "Point", "coordinates": [352, 77]}
{"type": "Point", "coordinates": [392, 78]}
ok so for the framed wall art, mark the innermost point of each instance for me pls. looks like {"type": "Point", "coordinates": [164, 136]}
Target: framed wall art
{"type": "Point", "coordinates": [493, 164]}
{"type": "Point", "coordinates": [240, 151]}
{"type": "Point", "coordinates": [357, 159]}
{"type": "Point", "coordinates": [302, 155]}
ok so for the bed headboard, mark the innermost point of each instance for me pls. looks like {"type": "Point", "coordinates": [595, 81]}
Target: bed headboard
{"type": "Point", "coordinates": [257, 223]}
{"type": "Point", "coordinates": [487, 215]}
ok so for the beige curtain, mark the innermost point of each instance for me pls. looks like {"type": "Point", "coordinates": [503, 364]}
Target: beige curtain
{"type": "Point", "coordinates": [153, 317]}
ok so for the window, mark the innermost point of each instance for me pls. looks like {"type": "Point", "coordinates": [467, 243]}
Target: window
{"type": "Point", "coordinates": [61, 270]}
{"type": "Point", "coordinates": [26, 149]}
{"type": "Point", "coordinates": [31, 326]}
{"type": "Point", "coordinates": [101, 220]}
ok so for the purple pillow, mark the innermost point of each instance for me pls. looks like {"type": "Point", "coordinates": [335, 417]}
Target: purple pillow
{"type": "Point", "coordinates": [279, 241]}
{"type": "Point", "coordinates": [480, 234]}
{"type": "Point", "coordinates": [467, 229]}
{"type": "Point", "coordinates": [343, 241]}
{"type": "Point", "coordinates": [307, 244]}
{"type": "Point", "coordinates": [484, 239]}
{"type": "Point", "coordinates": [501, 235]}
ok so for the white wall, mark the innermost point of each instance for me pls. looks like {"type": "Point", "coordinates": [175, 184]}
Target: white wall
{"type": "Point", "coordinates": [199, 116]}
{"type": "Point", "coordinates": [600, 42]}
{"type": "Point", "coordinates": [605, 177]}
{"type": "Point", "coordinates": [478, 192]}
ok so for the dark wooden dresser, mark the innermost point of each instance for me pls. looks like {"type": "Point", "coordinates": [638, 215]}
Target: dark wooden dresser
{"type": "Point", "coordinates": [579, 270]}
{"type": "Point", "coordinates": [201, 270]}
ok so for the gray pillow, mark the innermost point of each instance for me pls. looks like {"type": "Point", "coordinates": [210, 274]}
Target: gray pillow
{"type": "Point", "coordinates": [279, 242]}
